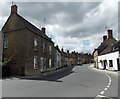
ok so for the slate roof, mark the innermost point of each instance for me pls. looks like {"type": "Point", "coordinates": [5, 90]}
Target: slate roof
{"type": "Point", "coordinates": [17, 22]}
{"type": "Point", "coordinates": [106, 46]}
{"type": "Point", "coordinates": [57, 48]}
{"type": "Point", "coordinates": [115, 46]}
{"type": "Point", "coordinates": [111, 45]}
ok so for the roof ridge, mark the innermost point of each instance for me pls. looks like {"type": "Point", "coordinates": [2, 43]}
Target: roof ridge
{"type": "Point", "coordinates": [27, 22]}
{"type": "Point", "coordinates": [32, 27]}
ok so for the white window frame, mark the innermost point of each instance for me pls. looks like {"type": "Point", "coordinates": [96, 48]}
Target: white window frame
{"type": "Point", "coordinates": [42, 64]}
{"type": "Point", "coordinates": [35, 44]}
{"type": "Point", "coordinates": [35, 62]}
{"type": "Point", "coordinates": [50, 49]}
{"type": "Point", "coordinates": [50, 63]}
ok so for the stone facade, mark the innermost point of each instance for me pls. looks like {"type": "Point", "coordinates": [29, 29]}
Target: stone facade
{"type": "Point", "coordinates": [28, 48]}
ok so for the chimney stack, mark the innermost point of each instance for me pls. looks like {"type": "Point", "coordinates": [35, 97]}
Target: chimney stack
{"type": "Point", "coordinates": [14, 9]}
{"type": "Point", "coordinates": [67, 51]}
{"type": "Point", "coordinates": [62, 50]}
{"type": "Point", "coordinates": [110, 35]}
{"type": "Point", "coordinates": [104, 37]}
{"type": "Point", "coordinates": [43, 30]}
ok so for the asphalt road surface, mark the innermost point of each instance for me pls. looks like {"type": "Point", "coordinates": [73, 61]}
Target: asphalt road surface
{"type": "Point", "coordinates": [80, 81]}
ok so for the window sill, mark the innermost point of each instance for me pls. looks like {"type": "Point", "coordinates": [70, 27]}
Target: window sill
{"type": "Point", "coordinates": [35, 50]}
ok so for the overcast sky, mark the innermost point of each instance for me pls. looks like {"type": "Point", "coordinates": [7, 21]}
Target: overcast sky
{"type": "Point", "coordinates": [76, 26]}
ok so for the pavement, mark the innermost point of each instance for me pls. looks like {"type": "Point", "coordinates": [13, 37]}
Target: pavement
{"type": "Point", "coordinates": [28, 77]}
{"type": "Point", "coordinates": [80, 81]}
{"type": "Point", "coordinates": [114, 73]}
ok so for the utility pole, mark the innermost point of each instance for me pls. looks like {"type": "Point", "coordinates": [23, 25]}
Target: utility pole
{"type": "Point", "coordinates": [44, 21]}
{"type": "Point", "coordinates": [12, 3]}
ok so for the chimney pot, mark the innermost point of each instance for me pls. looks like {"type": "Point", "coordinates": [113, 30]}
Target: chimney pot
{"type": "Point", "coordinates": [43, 29]}
{"type": "Point", "coordinates": [110, 35]}
{"type": "Point", "coordinates": [14, 9]}
{"type": "Point", "coordinates": [104, 37]}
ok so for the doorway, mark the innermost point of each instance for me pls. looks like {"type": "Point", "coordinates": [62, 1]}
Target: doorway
{"type": "Point", "coordinates": [118, 64]}
{"type": "Point", "coordinates": [104, 64]}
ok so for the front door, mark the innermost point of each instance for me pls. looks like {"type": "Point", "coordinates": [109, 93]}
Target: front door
{"type": "Point", "coordinates": [22, 71]}
{"type": "Point", "coordinates": [118, 64]}
{"type": "Point", "coordinates": [105, 63]}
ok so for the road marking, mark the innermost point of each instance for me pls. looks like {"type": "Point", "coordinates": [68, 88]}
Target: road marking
{"type": "Point", "coordinates": [108, 86]}
{"type": "Point", "coordinates": [109, 83]}
{"type": "Point", "coordinates": [102, 92]}
{"type": "Point", "coordinates": [100, 96]}
{"type": "Point", "coordinates": [106, 89]}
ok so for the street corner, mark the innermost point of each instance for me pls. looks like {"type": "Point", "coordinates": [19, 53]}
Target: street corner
{"type": "Point", "coordinates": [9, 78]}
{"type": "Point", "coordinates": [114, 73]}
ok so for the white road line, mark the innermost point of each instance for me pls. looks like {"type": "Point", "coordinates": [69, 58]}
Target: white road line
{"type": "Point", "coordinates": [102, 92]}
{"type": "Point", "coordinates": [109, 78]}
{"type": "Point", "coordinates": [100, 96]}
{"type": "Point", "coordinates": [108, 86]}
{"type": "Point", "coordinates": [106, 89]}
{"type": "Point", "coordinates": [109, 83]}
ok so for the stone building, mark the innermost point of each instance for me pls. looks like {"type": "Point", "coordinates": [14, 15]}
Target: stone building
{"type": "Point", "coordinates": [57, 59]}
{"type": "Point", "coordinates": [106, 56]}
{"type": "Point", "coordinates": [28, 48]}
{"type": "Point", "coordinates": [1, 46]}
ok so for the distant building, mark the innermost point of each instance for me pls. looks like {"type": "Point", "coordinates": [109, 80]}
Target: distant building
{"type": "Point", "coordinates": [75, 58]}
{"type": "Point", "coordinates": [57, 62]}
{"type": "Point", "coordinates": [106, 56]}
{"type": "Point", "coordinates": [29, 49]}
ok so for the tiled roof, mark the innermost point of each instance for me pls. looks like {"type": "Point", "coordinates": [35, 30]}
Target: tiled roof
{"type": "Point", "coordinates": [16, 22]}
{"type": "Point", "coordinates": [105, 47]}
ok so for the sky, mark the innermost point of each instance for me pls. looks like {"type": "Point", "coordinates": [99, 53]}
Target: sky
{"type": "Point", "coordinates": [74, 26]}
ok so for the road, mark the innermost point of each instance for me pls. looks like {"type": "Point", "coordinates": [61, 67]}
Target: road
{"type": "Point", "coordinates": [80, 81]}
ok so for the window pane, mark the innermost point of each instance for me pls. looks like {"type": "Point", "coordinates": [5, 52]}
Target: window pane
{"type": "Point", "coordinates": [44, 46]}
{"type": "Point", "coordinates": [35, 62]}
{"type": "Point", "coordinates": [50, 49]}
{"type": "Point", "coordinates": [35, 44]}
{"type": "Point", "coordinates": [110, 63]}
{"type": "Point", "coordinates": [50, 63]}
{"type": "Point", "coordinates": [5, 43]}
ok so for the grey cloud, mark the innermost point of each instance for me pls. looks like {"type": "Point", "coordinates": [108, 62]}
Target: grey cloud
{"type": "Point", "coordinates": [74, 11]}
{"type": "Point", "coordinates": [72, 18]}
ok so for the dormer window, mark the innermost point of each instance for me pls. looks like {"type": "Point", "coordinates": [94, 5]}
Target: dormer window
{"type": "Point", "coordinates": [35, 44]}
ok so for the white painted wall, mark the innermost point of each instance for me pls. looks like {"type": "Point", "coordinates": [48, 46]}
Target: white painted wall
{"type": "Point", "coordinates": [110, 56]}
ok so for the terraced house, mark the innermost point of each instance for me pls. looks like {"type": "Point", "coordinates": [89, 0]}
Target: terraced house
{"type": "Point", "coordinates": [107, 55]}
{"type": "Point", "coordinates": [29, 49]}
